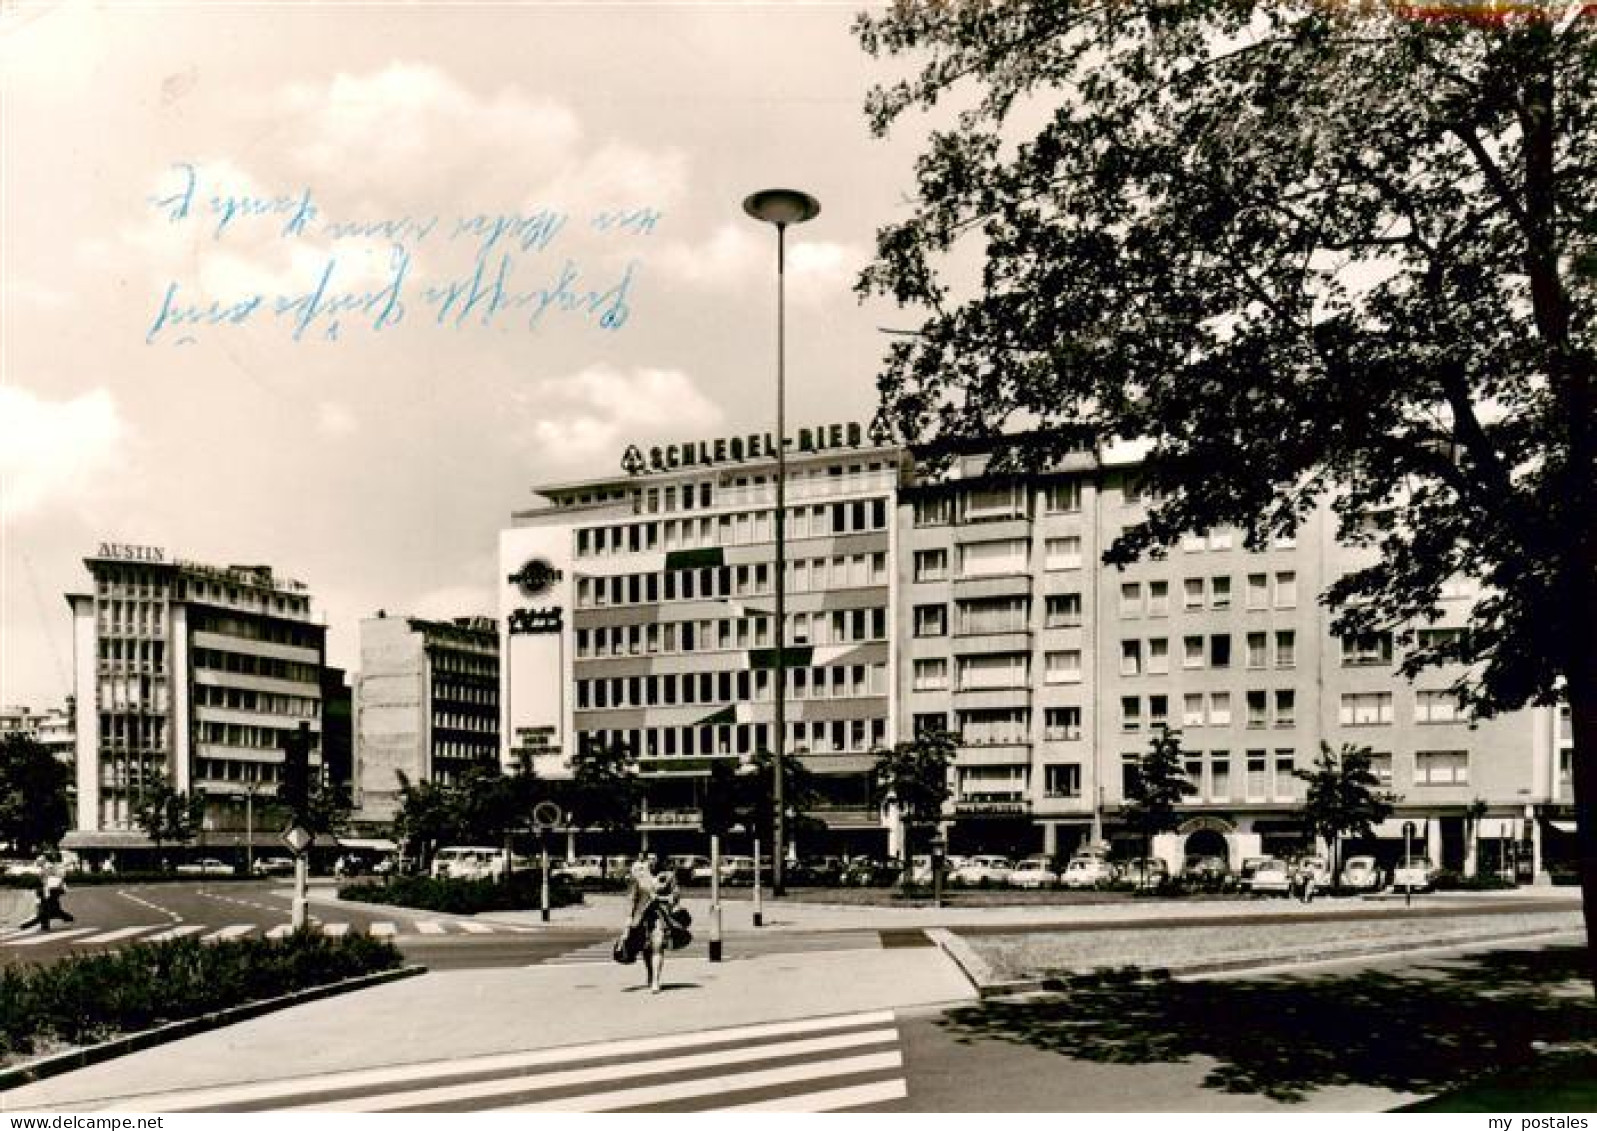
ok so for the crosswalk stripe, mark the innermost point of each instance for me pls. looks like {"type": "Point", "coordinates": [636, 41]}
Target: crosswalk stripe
{"type": "Point", "coordinates": [715, 1085]}
{"type": "Point", "coordinates": [113, 936]}
{"type": "Point", "coordinates": [412, 1074]}
{"type": "Point", "coordinates": [47, 936]}
{"type": "Point", "coordinates": [833, 1099]}
{"type": "Point", "coordinates": [177, 933]}
{"type": "Point", "coordinates": [335, 930]}
{"type": "Point", "coordinates": [238, 930]}
{"type": "Point", "coordinates": [477, 928]}
{"type": "Point", "coordinates": [599, 1074]}
{"type": "Point", "coordinates": [430, 928]}
{"type": "Point", "coordinates": [381, 930]}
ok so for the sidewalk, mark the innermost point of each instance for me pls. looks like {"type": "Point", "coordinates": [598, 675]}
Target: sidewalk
{"type": "Point", "coordinates": [458, 1014]}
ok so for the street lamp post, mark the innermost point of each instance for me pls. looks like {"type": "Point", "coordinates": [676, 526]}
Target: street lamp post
{"type": "Point", "coordinates": [780, 207]}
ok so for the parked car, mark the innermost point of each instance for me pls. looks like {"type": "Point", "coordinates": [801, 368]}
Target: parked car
{"type": "Point", "coordinates": [1271, 876]}
{"type": "Point", "coordinates": [579, 868]}
{"type": "Point", "coordinates": [1361, 873]}
{"type": "Point", "coordinates": [1145, 872]}
{"type": "Point", "coordinates": [687, 868]}
{"type": "Point", "coordinates": [1416, 873]}
{"type": "Point", "coordinates": [210, 866]}
{"type": "Point", "coordinates": [1087, 872]}
{"type": "Point", "coordinates": [816, 871]}
{"type": "Point", "coordinates": [991, 869]}
{"type": "Point", "coordinates": [1034, 872]}
{"type": "Point", "coordinates": [738, 871]}
{"type": "Point", "coordinates": [468, 863]}
{"type": "Point", "coordinates": [274, 866]}
{"type": "Point", "coordinates": [1245, 873]}
{"type": "Point", "coordinates": [1317, 865]}
{"type": "Point", "coordinates": [867, 871]}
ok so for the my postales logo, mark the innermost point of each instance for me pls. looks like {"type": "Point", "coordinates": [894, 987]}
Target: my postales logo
{"type": "Point", "coordinates": [536, 577]}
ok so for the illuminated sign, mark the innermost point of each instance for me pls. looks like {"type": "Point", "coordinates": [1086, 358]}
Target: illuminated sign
{"type": "Point", "coordinates": [122, 551]}
{"type": "Point", "coordinates": [536, 577]}
{"type": "Point", "coordinates": [535, 622]}
{"type": "Point", "coordinates": [735, 449]}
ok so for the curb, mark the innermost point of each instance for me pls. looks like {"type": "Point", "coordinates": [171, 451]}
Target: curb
{"type": "Point", "coordinates": [973, 967]}
{"type": "Point", "coordinates": [60, 1063]}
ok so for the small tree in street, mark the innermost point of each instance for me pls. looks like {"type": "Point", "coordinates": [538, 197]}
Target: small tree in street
{"type": "Point", "coordinates": [1157, 785]}
{"type": "Point", "coordinates": [914, 775]}
{"type": "Point", "coordinates": [1343, 798]}
{"type": "Point", "coordinates": [604, 791]}
{"type": "Point", "coordinates": [428, 816]}
{"type": "Point", "coordinates": [33, 796]}
{"type": "Point", "coordinates": [167, 815]}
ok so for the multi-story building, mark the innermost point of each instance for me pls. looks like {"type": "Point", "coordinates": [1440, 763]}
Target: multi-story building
{"type": "Point", "coordinates": [50, 728]}
{"type": "Point", "coordinates": [190, 672]}
{"type": "Point", "coordinates": [637, 611]}
{"type": "Point", "coordinates": [426, 705]}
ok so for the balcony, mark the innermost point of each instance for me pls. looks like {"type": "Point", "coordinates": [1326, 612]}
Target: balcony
{"type": "Point", "coordinates": [992, 806]}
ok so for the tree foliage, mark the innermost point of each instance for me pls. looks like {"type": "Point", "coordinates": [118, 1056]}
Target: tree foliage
{"type": "Point", "coordinates": [168, 815]}
{"type": "Point", "coordinates": [1309, 254]}
{"type": "Point", "coordinates": [482, 807]}
{"type": "Point", "coordinates": [1343, 797]}
{"type": "Point", "coordinates": [1158, 783]}
{"type": "Point", "coordinates": [34, 813]}
{"type": "Point", "coordinates": [604, 791]}
{"type": "Point", "coordinates": [915, 775]}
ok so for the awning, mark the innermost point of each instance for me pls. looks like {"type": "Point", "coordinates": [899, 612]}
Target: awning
{"type": "Point", "coordinates": [1562, 826]}
{"type": "Point", "coordinates": [107, 838]}
{"type": "Point", "coordinates": [370, 845]}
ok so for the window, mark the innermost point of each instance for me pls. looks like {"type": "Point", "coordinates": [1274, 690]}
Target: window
{"type": "Point", "coordinates": [1381, 767]}
{"type": "Point", "coordinates": [982, 673]}
{"type": "Point", "coordinates": [1194, 770]}
{"type": "Point", "coordinates": [1287, 784]}
{"type": "Point", "coordinates": [1062, 781]}
{"type": "Point", "coordinates": [1158, 711]}
{"type": "Point", "coordinates": [1063, 610]}
{"type": "Point", "coordinates": [1192, 543]}
{"type": "Point", "coordinates": [1258, 784]}
{"type": "Point", "coordinates": [1219, 539]}
{"type": "Point", "coordinates": [1158, 656]}
{"type": "Point", "coordinates": [1131, 599]}
{"type": "Point", "coordinates": [1219, 775]}
{"type": "Point", "coordinates": [1441, 767]}
{"type": "Point", "coordinates": [1063, 498]}
{"type": "Point", "coordinates": [930, 723]}
{"type": "Point", "coordinates": [1437, 707]}
{"type": "Point", "coordinates": [1258, 710]}
{"type": "Point", "coordinates": [1131, 657]}
{"type": "Point", "coordinates": [993, 504]}
{"type": "Point", "coordinates": [1062, 553]}
{"type": "Point", "coordinates": [1258, 590]}
{"type": "Point", "coordinates": [994, 559]}
{"type": "Point", "coordinates": [1130, 712]}
{"type": "Point", "coordinates": [1286, 649]}
{"type": "Point", "coordinates": [1062, 724]}
{"type": "Point", "coordinates": [1192, 651]}
{"type": "Point", "coordinates": [1062, 667]}
{"type": "Point", "coordinates": [1220, 651]}
{"type": "Point", "coordinates": [1256, 649]}
{"type": "Point", "coordinates": [1368, 709]}
{"type": "Point", "coordinates": [994, 614]}
{"type": "Point", "coordinates": [1220, 709]}
{"type": "Point", "coordinates": [1439, 637]}
{"type": "Point", "coordinates": [1286, 707]}
{"type": "Point", "coordinates": [931, 565]}
{"type": "Point", "coordinates": [1367, 649]}
{"type": "Point", "coordinates": [1192, 710]}
{"type": "Point", "coordinates": [931, 620]}
{"type": "Point", "coordinates": [1220, 592]}
{"type": "Point", "coordinates": [1286, 590]}
{"type": "Point", "coordinates": [1193, 590]}
{"type": "Point", "coordinates": [935, 511]}
{"type": "Point", "coordinates": [1158, 598]}
{"type": "Point", "coordinates": [931, 675]}
{"type": "Point", "coordinates": [1004, 726]}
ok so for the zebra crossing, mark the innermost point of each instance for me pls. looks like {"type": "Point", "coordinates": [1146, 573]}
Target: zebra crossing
{"type": "Point", "coordinates": [209, 932]}
{"type": "Point", "coordinates": [820, 1064]}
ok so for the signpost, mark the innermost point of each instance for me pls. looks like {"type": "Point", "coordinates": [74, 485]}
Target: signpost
{"type": "Point", "coordinates": [546, 815]}
{"type": "Point", "coordinates": [1408, 855]}
{"type": "Point", "coordinates": [715, 897]}
{"type": "Point", "coordinates": [299, 839]}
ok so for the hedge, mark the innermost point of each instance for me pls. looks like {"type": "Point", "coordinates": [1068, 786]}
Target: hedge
{"type": "Point", "coordinates": [463, 897]}
{"type": "Point", "coordinates": [85, 998]}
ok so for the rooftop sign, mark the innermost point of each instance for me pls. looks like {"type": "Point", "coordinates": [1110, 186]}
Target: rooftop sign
{"type": "Point", "coordinates": [738, 449]}
{"type": "Point", "coordinates": [124, 552]}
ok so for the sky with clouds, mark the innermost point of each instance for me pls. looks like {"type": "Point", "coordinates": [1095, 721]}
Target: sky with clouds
{"type": "Point", "coordinates": [150, 147]}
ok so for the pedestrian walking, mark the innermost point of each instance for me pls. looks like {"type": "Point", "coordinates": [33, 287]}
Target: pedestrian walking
{"type": "Point", "coordinates": [47, 896]}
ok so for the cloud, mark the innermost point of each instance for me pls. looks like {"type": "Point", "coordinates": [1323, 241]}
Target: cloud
{"type": "Point", "coordinates": [592, 414]}
{"type": "Point", "coordinates": [739, 254]}
{"type": "Point", "coordinates": [334, 419]}
{"type": "Point", "coordinates": [55, 454]}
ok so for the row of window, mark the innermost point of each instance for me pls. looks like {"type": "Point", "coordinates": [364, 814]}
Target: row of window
{"type": "Point", "coordinates": [822, 736]}
{"type": "Point", "coordinates": [843, 681]}
{"type": "Point", "coordinates": [235, 770]}
{"type": "Point", "coordinates": [269, 667]}
{"type": "Point", "coordinates": [996, 503]}
{"type": "Point", "coordinates": [483, 665]}
{"type": "Point", "coordinates": [268, 630]}
{"type": "Point", "coordinates": [120, 617]}
{"type": "Point", "coordinates": [800, 482]}
{"type": "Point", "coordinates": [454, 691]}
{"type": "Point", "coordinates": [740, 529]}
{"type": "Point", "coordinates": [245, 597]}
{"type": "Point", "coordinates": [133, 693]}
{"type": "Point", "coordinates": [247, 736]}
{"type": "Point", "coordinates": [144, 655]}
{"type": "Point", "coordinates": [453, 720]}
{"type": "Point", "coordinates": [262, 702]}
{"type": "Point", "coordinates": [840, 626]}
{"type": "Point", "coordinates": [1374, 708]}
{"type": "Point", "coordinates": [140, 732]}
{"type": "Point", "coordinates": [1262, 591]}
{"type": "Point", "coordinates": [1152, 656]}
{"type": "Point", "coordinates": [711, 583]}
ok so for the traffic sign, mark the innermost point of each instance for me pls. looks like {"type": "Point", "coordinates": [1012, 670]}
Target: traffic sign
{"type": "Point", "coordinates": [298, 838]}
{"type": "Point", "coordinates": [546, 815]}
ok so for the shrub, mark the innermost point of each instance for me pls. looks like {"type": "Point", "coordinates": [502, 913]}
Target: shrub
{"type": "Point", "coordinates": [91, 997]}
{"type": "Point", "coordinates": [464, 897]}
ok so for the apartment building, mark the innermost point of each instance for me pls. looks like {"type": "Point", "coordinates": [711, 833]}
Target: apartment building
{"type": "Point", "coordinates": [193, 672]}
{"type": "Point", "coordinates": [426, 704]}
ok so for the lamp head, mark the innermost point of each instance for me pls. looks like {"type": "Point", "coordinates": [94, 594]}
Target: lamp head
{"type": "Point", "coordinates": [782, 206]}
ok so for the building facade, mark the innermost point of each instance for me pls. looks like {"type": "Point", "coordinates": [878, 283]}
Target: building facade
{"type": "Point", "coordinates": [51, 728]}
{"type": "Point", "coordinates": [192, 673]}
{"type": "Point", "coordinates": [943, 596]}
{"type": "Point", "coordinates": [426, 705]}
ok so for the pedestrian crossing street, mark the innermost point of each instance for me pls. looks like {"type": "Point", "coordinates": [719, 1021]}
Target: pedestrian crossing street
{"type": "Point", "coordinates": [163, 932]}
{"type": "Point", "coordinates": [848, 1062]}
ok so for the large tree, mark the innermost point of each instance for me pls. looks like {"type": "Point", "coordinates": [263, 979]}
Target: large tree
{"type": "Point", "coordinates": [604, 791]}
{"type": "Point", "coordinates": [1307, 251]}
{"type": "Point", "coordinates": [1343, 798]}
{"type": "Point", "coordinates": [33, 796]}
